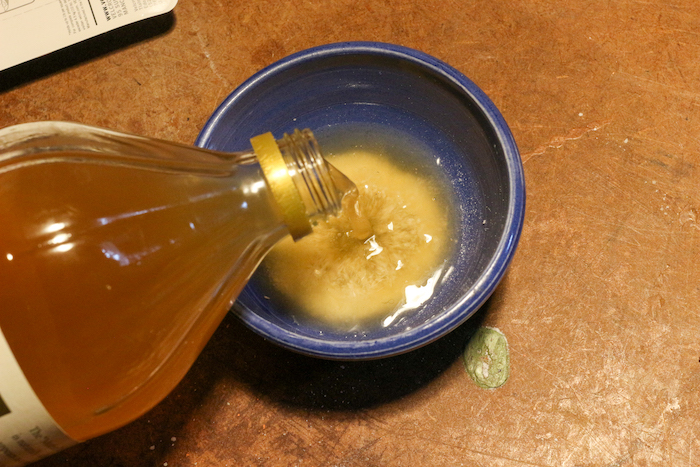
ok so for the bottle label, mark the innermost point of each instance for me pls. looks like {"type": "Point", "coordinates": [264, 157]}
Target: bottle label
{"type": "Point", "coordinates": [27, 431]}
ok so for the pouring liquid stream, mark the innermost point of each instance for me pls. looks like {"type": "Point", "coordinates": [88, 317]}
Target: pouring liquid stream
{"type": "Point", "coordinates": [360, 225]}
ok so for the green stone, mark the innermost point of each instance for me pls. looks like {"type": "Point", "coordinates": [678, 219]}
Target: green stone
{"type": "Point", "coordinates": [486, 358]}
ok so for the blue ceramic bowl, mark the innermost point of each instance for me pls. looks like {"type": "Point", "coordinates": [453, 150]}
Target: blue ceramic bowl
{"type": "Point", "coordinates": [386, 86]}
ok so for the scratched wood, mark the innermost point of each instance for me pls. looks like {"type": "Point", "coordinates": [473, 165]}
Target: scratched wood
{"type": "Point", "coordinates": [599, 306]}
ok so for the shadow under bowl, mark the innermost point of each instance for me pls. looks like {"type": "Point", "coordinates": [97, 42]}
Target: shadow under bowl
{"type": "Point", "coordinates": [398, 91]}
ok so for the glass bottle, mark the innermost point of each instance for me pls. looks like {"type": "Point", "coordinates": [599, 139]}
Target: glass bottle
{"type": "Point", "coordinates": [119, 257]}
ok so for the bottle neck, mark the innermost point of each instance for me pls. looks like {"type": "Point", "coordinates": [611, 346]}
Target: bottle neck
{"type": "Point", "coordinates": [305, 186]}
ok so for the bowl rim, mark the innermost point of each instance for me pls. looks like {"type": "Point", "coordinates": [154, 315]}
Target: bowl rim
{"type": "Point", "coordinates": [480, 291]}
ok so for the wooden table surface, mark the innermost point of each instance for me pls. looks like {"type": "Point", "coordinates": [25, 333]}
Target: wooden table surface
{"type": "Point", "coordinates": [601, 303]}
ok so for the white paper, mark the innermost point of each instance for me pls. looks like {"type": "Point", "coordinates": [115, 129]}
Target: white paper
{"type": "Point", "coordinates": [32, 28]}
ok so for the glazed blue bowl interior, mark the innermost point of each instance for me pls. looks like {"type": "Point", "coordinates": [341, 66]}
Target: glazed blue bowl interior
{"type": "Point", "coordinates": [373, 85]}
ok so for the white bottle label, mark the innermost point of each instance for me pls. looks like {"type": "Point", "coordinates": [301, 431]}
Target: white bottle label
{"type": "Point", "coordinates": [27, 431]}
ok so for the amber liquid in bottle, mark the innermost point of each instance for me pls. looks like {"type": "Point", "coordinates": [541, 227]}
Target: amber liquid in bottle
{"type": "Point", "coordinates": [105, 295]}
{"type": "Point", "coordinates": [119, 259]}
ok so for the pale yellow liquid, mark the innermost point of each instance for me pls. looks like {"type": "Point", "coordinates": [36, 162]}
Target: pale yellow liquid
{"type": "Point", "coordinates": [347, 275]}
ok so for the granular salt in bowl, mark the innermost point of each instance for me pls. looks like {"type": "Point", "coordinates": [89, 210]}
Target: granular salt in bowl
{"type": "Point", "coordinates": [409, 92]}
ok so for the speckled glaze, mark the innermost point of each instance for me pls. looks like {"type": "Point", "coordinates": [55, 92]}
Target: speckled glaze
{"type": "Point", "coordinates": [380, 84]}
